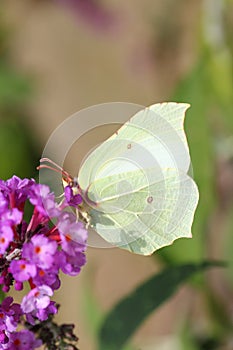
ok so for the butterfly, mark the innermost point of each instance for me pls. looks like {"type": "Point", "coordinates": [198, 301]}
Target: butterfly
{"type": "Point", "coordinates": [135, 188]}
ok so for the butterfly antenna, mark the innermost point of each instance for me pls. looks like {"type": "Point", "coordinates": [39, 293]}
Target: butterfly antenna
{"type": "Point", "coordinates": [55, 167]}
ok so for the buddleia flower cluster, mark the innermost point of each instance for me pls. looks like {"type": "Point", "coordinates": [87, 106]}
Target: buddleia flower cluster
{"type": "Point", "coordinates": [33, 252]}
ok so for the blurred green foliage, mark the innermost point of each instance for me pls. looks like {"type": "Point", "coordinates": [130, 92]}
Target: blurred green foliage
{"type": "Point", "coordinates": [18, 149]}
{"type": "Point", "coordinates": [194, 89]}
{"type": "Point", "coordinates": [209, 90]}
{"type": "Point", "coordinates": [14, 87]}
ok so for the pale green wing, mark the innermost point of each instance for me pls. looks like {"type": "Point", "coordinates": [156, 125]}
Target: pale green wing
{"type": "Point", "coordinates": [140, 211]}
{"type": "Point", "coordinates": [153, 137]}
{"type": "Point", "coordinates": [174, 114]}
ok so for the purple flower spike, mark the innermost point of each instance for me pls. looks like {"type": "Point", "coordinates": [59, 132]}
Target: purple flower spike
{"type": "Point", "coordinates": [35, 252]}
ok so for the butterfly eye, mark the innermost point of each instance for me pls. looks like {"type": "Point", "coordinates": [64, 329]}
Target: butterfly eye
{"type": "Point", "coordinates": [75, 182]}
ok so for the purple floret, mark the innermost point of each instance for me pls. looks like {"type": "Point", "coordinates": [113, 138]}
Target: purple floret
{"type": "Point", "coordinates": [40, 251]}
{"type": "Point", "coordinates": [22, 270]}
{"type": "Point", "coordinates": [23, 340]}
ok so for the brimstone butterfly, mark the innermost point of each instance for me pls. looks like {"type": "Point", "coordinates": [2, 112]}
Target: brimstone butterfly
{"type": "Point", "coordinates": [135, 188]}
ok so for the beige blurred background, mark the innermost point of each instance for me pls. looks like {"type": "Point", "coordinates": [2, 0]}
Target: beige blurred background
{"type": "Point", "coordinates": [74, 65]}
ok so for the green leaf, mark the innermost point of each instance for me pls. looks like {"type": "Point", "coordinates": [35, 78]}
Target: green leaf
{"type": "Point", "coordinates": [127, 316]}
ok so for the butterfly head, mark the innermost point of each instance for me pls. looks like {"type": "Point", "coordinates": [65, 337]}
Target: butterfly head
{"type": "Point", "coordinates": [70, 184]}
{"type": "Point", "coordinates": [72, 191]}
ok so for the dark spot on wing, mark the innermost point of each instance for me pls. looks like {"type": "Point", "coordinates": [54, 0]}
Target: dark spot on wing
{"type": "Point", "coordinates": [150, 199]}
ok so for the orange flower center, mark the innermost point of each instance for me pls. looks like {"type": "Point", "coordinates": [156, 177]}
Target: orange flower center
{"type": "Point", "coordinates": [37, 250]}
{"type": "Point", "coordinates": [17, 342]}
{"type": "Point", "coordinates": [41, 273]}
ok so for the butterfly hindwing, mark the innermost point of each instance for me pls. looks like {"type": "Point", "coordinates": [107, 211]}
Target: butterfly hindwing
{"type": "Point", "coordinates": [147, 218]}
